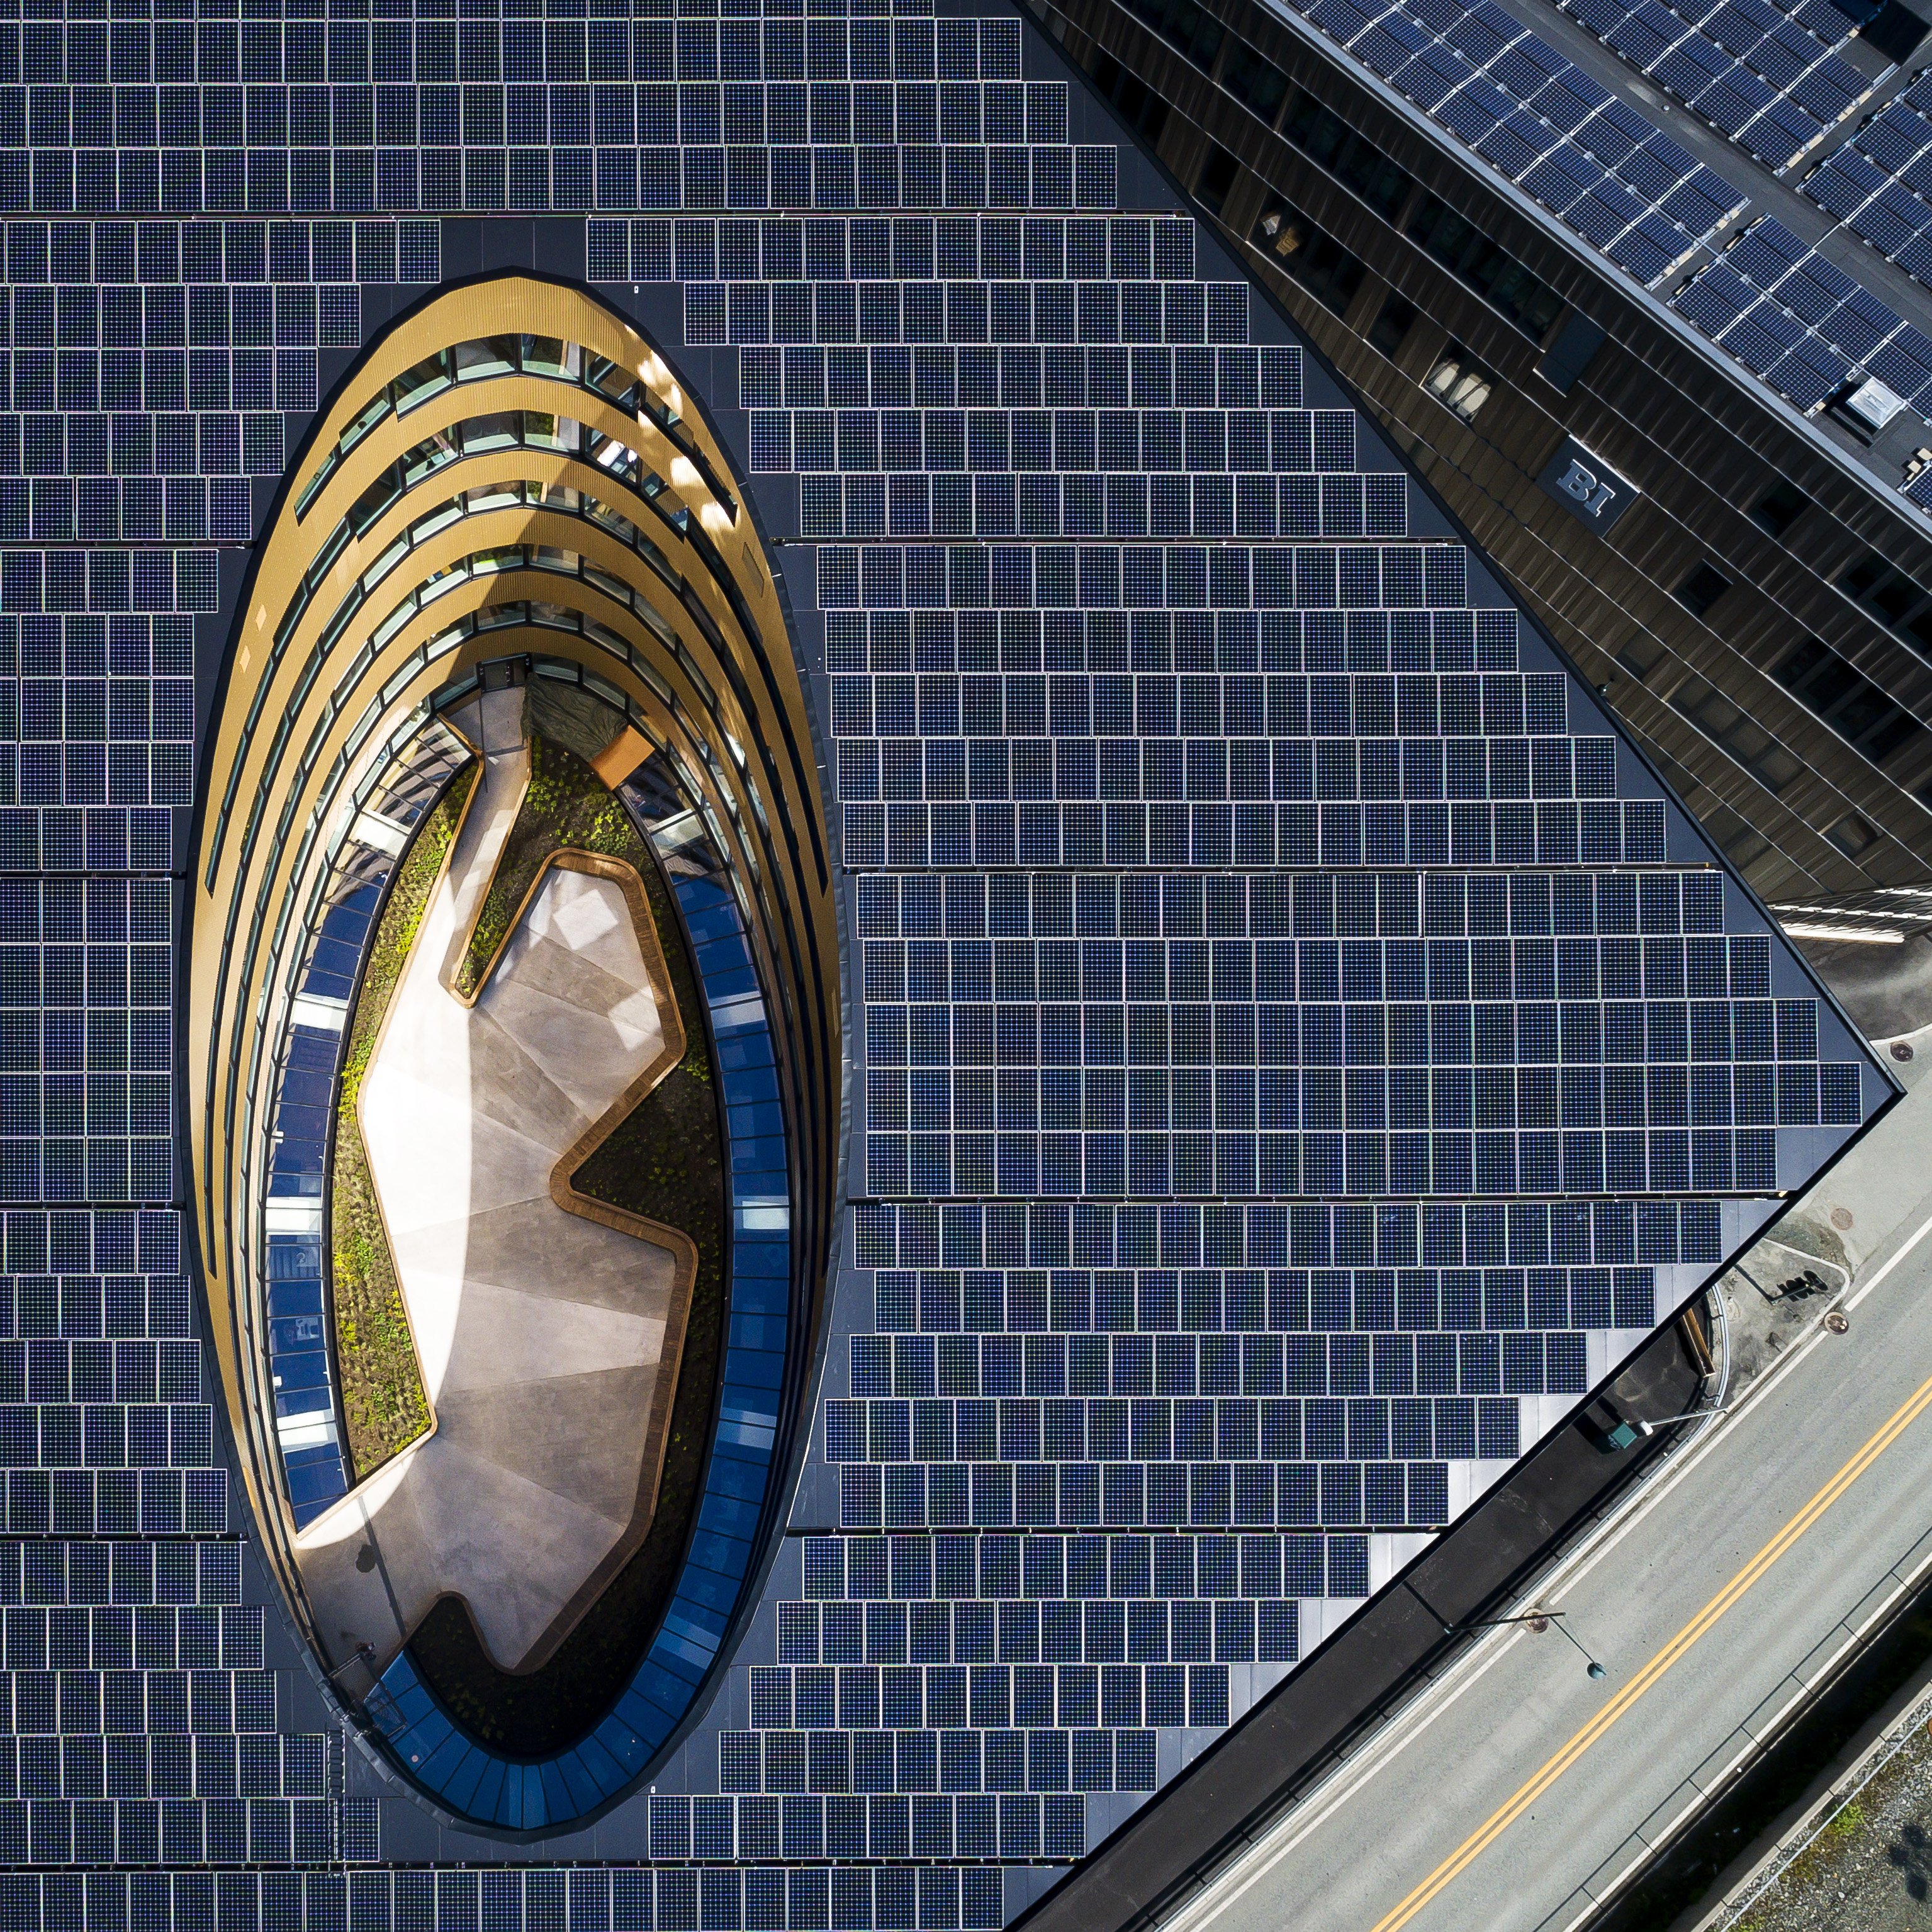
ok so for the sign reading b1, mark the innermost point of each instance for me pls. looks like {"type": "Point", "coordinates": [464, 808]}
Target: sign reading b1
{"type": "Point", "coordinates": [1586, 486]}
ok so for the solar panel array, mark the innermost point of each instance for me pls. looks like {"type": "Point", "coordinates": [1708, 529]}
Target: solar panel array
{"type": "Point", "coordinates": [1876, 183]}
{"type": "Point", "coordinates": [1208, 1240]}
{"type": "Point", "coordinates": [1804, 326]}
{"type": "Point", "coordinates": [1232, 1205]}
{"type": "Point", "coordinates": [1536, 118]}
{"type": "Point", "coordinates": [1198, 1065]}
{"type": "Point", "coordinates": [1770, 79]}
{"type": "Point", "coordinates": [86, 994]}
{"type": "Point", "coordinates": [150, 366]}
{"type": "Point", "coordinates": [144, 1718]}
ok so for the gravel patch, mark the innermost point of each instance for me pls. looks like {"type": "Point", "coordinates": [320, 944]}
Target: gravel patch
{"type": "Point", "coordinates": [1870, 1869]}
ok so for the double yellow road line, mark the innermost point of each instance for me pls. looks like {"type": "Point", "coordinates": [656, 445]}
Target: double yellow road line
{"type": "Point", "coordinates": [1652, 1673]}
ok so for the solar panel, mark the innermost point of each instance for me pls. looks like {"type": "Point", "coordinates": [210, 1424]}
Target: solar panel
{"type": "Point", "coordinates": [1861, 182]}
{"type": "Point", "coordinates": [1768, 82]}
{"type": "Point", "coordinates": [1473, 69]}
{"type": "Point", "coordinates": [1831, 326]}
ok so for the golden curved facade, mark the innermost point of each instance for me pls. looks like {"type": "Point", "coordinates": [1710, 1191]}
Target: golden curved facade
{"type": "Point", "coordinates": [509, 473]}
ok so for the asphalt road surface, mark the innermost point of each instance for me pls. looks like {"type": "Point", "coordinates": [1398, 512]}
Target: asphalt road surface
{"type": "Point", "coordinates": [1523, 1790]}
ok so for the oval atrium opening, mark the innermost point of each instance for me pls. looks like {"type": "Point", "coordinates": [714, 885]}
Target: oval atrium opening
{"type": "Point", "coordinates": [513, 1046]}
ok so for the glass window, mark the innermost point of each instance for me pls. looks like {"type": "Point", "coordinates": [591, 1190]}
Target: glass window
{"type": "Point", "coordinates": [1461, 246]}
{"type": "Point", "coordinates": [1847, 700]}
{"type": "Point", "coordinates": [1315, 259]}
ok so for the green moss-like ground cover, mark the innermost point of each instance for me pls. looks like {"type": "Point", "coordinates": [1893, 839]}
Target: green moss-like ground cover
{"type": "Point", "coordinates": [665, 1162]}
{"type": "Point", "coordinates": [567, 804]}
{"type": "Point", "coordinates": [383, 1398]}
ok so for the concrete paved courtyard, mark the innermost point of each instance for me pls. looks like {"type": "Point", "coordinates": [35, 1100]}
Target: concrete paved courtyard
{"type": "Point", "coordinates": [548, 1341]}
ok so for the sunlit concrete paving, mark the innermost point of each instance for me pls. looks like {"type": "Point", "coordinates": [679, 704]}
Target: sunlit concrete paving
{"type": "Point", "coordinates": [543, 1335]}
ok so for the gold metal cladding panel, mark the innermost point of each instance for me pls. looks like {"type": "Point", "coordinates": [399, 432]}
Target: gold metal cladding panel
{"type": "Point", "coordinates": [508, 305]}
{"type": "Point", "coordinates": [291, 775]}
{"type": "Point", "coordinates": [475, 532]}
{"type": "Point", "coordinates": [464, 403]}
{"type": "Point", "coordinates": [515, 304]}
{"type": "Point", "coordinates": [271, 660]}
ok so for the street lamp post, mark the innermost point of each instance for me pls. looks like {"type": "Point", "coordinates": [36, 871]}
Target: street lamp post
{"type": "Point", "coordinates": [1665, 1421]}
{"type": "Point", "coordinates": [1538, 1621]}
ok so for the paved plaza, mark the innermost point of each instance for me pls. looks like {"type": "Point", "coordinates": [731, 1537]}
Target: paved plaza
{"type": "Point", "coordinates": [548, 1341]}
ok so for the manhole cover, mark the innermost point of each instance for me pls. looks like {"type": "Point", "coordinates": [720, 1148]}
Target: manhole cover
{"type": "Point", "coordinates": [1838, 1321]}
{"type": "Point", "coordinates": [1841, 1218]}
{"type": "Point", "coordinates": [1901, 1049]}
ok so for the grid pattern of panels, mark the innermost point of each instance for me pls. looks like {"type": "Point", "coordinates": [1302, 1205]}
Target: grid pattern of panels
{"type": "Point", "coordinates": [141, 1714]}
{"type": "Point", "coordinates": [1133, 817]}
{"type": "Point", "coordinates": [1164, 737]}
{"type": "Point", "coordinates": [267, 117]}
{"type": "Point", "coordinates": [1099, 1468]}
{"type": "Point", "coordinates": [1108, 1494]}
{"type": "Point", "coordinates": [150, 366]}
{"type": "Point", "coordinates": [1878, 183]}
{"type": "Point", "coordinates": [1214, 469]}
{"type": "Point", "coordinates": [1073, 385]}
{"type": "Point", "coordinates": [1806, 327]}
{"type": "Point", "coordinates": [1091, 1035]}
{"type": "Point", "coordinates": [674, 1898]}
{"type": "Point", "coordinates": [86, 993]}
{"type": "Point", "coordinates": [1094, 1460]}
{"type": "Point", "coordinates": [125, 419]}
{"type": "Point", "coordinates": [1106, 584]}
{"type": "Point", "coordinates": [1768, 77]}
{"type": "Point", "coordinates": [1536, 118]}
{"type": "Point", "coordinates": [98, 711]}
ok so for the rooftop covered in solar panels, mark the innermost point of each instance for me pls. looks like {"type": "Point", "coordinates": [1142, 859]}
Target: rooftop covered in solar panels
{"type": "Point", "coordinates": [1778, 202]}
{"type": "Point", "coordinates": [1299, 1048]}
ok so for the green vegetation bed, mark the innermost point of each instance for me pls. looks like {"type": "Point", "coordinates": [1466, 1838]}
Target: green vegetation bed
{"type": "Point", "coordinates": [567, 804]}
{"type": "Point", "coordinates": [665, 1162]}
{"type": "Point", "coordinates": [382, 1399]}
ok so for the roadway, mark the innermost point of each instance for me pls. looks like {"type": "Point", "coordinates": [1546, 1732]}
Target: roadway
{"type": "Point", "coordinates": [1520, 1791]}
